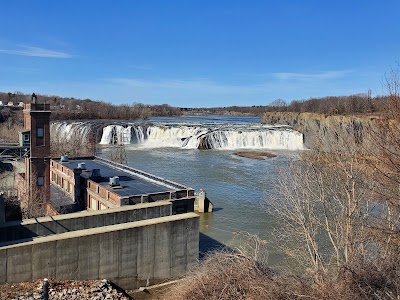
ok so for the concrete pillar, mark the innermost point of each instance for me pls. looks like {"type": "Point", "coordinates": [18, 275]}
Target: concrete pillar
{"type": "Point", "coordinates": [202, 204]}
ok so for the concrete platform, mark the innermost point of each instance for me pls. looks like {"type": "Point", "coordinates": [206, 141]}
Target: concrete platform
{"type": "Point", "coordinates": [21, 231]}
{"type": "Point", "coordinates": [131, 254]}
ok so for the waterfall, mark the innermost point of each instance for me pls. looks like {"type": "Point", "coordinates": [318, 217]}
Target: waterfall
{"type": "Point", "coordinates": [186, 135]}
{"type": "Point", "coordinates": [270, 139]}
{"type": "Point", "coordinates": [65, 131]}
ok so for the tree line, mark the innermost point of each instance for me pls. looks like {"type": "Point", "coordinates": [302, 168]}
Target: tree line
{"type": "Point", "coordinates": [68, 108]}
{"type": "Point", "coordinates": [330, 105]}
{"type": "Point", "coordinates": [65, 108]}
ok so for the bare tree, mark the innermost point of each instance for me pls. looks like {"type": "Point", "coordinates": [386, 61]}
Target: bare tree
{"type": "Point", "coordinates": [392, 85]}
{"type": "Point", "coordinates": [117, 152]}
{"type": "Point", "coordinates": [32, 199]}
{"type": "Point", "coordinates": [339, 207]}
{"type": "Point", "coordinates": [319, 202]}
{"type": "Point", "coordinates": [73, 144]}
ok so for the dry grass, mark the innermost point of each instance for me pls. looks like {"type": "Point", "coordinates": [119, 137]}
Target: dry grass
{"type": "Point", "coordinates": [223, 275]}
{"type": "Point", "coordinates": [236, 275]}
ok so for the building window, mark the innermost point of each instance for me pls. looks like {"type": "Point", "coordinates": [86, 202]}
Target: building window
{"type": "Point", "coordinates": [40, 132]}
{"type": "Point", "coordinates": [40, 181]}
{"type": "Point", "coordinates": [93, 204]}
{"type": "Point", "coordinates": [40, 136]}
{"type": "Point", "coordinates": [26, 137]}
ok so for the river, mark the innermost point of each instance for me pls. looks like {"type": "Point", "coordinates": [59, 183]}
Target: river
{"type": "Point", "coordinates": [237, 186]}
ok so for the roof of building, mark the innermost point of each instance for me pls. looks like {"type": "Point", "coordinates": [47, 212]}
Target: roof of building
{"type": "Point", "coordinates": [59, 198]}
{"type": "Point", "coordinates": [132, 181]}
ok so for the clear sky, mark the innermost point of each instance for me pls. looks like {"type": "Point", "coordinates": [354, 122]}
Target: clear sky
{"type": "Point", "coordinates": [197, 53]}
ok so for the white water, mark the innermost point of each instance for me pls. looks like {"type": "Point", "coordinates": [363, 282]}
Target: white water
{"type": "Point", "coordinates": [193, 137]}
{"type": "Point", "coordinates": [186, 135]}
{"type": "Point", "coordinates": [65, 131]}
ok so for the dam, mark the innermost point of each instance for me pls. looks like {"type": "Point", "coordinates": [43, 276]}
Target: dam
{"type": "Point", "coordinates": [184, 133]}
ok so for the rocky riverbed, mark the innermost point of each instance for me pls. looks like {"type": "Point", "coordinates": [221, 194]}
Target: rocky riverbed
{"type": "Point", "coordinates": [67, 289]}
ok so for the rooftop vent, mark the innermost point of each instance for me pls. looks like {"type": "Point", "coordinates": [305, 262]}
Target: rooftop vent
{"type": "Point", "coordinates": [96, 173]}
{"type": "Point", "coordinates": [64, 158]}
{"type": "Point", "coordinates": [114, 181]}
{"type": "Point", "coordinates": [82, 166]}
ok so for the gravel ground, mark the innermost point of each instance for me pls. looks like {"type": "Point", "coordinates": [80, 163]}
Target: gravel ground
{"type": "Point", "coordinates": [66, 289]}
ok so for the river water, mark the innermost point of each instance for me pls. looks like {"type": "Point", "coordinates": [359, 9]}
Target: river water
{"type": "Point", "coordinates": [237, 186]}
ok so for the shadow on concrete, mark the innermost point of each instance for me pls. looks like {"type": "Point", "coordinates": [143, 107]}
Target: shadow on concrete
{"type": "Point", "coordinates": [208, 244]}
{"type": "Point", "coordinates": [4, 166]}
{"type": "Point", "coordinates": [14, 232]}
{"type": "Point", "coordinates": [122, 178]}
{"type": "Point", "coordinates": [13, 211]}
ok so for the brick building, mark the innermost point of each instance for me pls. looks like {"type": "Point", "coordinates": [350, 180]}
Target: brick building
{"type": "Point", "coordinates": [67, 185]}
{"type": "Point", "coordinates": [95, 183]}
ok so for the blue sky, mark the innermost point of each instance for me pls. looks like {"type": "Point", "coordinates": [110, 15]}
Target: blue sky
{"type": "Point", "coordinates": [197, 53]}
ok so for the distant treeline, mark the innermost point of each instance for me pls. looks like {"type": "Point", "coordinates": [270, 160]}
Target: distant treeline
{"type": "Point", "coordinates": [72, 108]}
{"type": "Point", "coordinates": [331, 105]}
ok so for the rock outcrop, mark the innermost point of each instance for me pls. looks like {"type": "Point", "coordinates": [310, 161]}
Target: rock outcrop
{"type": "Point", "coordinates": [327, 130]}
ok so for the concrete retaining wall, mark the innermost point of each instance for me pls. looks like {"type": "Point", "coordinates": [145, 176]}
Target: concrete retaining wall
{"type": "Point", "coordinates": [131, 254]}
{"type": "Point", "coordinates": [44, 226]}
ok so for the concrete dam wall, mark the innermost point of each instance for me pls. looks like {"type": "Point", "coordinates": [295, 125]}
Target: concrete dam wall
{"type": "Point", "coordinates": [130, 254]}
